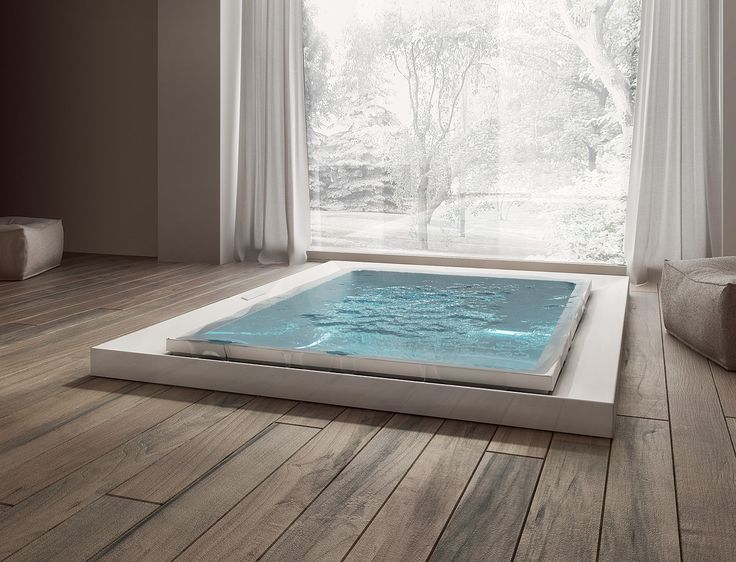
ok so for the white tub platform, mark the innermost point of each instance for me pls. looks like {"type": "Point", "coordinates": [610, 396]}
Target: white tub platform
{"type": "Point", "coordinates": [583, 400]}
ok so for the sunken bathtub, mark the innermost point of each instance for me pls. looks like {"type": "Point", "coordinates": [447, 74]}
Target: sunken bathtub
{"type": "Point", "coordinates": [528, 349]}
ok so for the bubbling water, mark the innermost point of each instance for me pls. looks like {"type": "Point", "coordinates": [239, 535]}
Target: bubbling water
{"type": "Point", "coordinates": [470, 321]}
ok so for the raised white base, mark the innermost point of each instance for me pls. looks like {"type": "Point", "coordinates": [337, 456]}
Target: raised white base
{"type": "Point", "coordinates": [582, 402]}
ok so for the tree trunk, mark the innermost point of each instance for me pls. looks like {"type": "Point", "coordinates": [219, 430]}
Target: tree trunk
{"type": "Point", "coordinates": [461, 215]}
{"type": "Point", "coordinates": [460, 186]}
{"type": "Point", "coordinates": [592, 157]}
{"type": "Point", "coordinates": [589, 39]}
{"type": "Point", "coordinates": [423, 206]}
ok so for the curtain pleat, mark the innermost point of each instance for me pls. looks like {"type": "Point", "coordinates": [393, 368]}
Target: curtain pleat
{"type": "Point", "coordinates": [675, 190]}
{"type": "Point", "coordinates": [272, 215]}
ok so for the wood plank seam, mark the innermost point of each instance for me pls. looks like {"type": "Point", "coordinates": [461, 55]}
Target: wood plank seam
{"type": "Point", "coordinates": [106, 396]}
{"type": "Point", "coordinates": [280, 499]}
{"type": "Point", "coordinates": [725, 417]}
{"type": "Point", "coordinates": [88, 410]}
{"type": "Point", "coordinates": [335, 476]}
{"type": "Point", "coordinates": [290, 413]}
{"type": "Point", "coordinates": [641, 380]}
{"type": "Point", "coordinates": [298, 424]}
{"type": "Point", "coordinates": [534, 493]}
{"type": "Point", "coordinates": [515, 454]}
{"type": "Point", "coordinates": [131, 499]}
{"type": "Point", "coordinates": [427, 495]}
{"type": "Point", "coordinates": [134, 283]}
{"type": "Point", "coordinates": [162, 506]}
{"type": "Point", "coordinates": [80, 489]}
{"type": "Point", "coordinates": [357, 493]}
{"type": "Point", "coordinates": [80, 467]}
{"type": "Point", "coordinates": [669, 423]}
{"type": "Point", "coordinates": [603, 503]}
{"type": "Point", "coordinates": [132, 486]}
{"type": "Point", "coordinates": [639, 522]}
{"type": "Point", "coordinates": [119, 539]}
{"type": "Point", "coordinates": [398, 483]}
{"type": "Point", "coordinates": [80, 535]}
{"type": "Point", "coordinates": [457, 503]}
{"type": "Point", "coordinates": [59, 358]}
{"type": "Point", "coordinates": [732, 432]}
{"type": "Point", "coordinates": [462, 493]}
{"type": "Point", "coordinates": [642, 417]}
{"type": "Point", "coordinates": [720, 402]}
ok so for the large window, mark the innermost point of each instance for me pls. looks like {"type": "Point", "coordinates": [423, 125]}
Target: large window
{"type": "Point", "coordinates": [479, 127]}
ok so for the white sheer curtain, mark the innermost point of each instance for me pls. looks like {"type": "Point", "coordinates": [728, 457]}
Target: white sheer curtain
{"type": "Point", "coordinates": [272, 203]}
{"type": "Point", "coordinates": [675, 191]}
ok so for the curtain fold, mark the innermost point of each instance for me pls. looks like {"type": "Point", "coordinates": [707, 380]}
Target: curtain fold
{"type": "Point", "coordinates": [272, 202]}
{"type": "Point", "coordinates": [675, 189]}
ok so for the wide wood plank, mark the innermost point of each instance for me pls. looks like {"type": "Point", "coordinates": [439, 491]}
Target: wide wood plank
{"type": "Point", "coordinates": [564, 518]}
{"type": "Point", "coordinates": [520, 441]}
{"type": "Point", "coordinates": [257, 521]}
{"type": "Point", "coordinates": [640, 513]}
{"type": "Point", "coordinates": [642, 389]}
{"type": "Point", "coordinates": [49, 466]}
{"type": "Point", "coordinates": [71, 270]}
{"type": "Point", "coordinates": [23, 425]}
{"type": "Point", "coordinates": [489, 518]}
{"type": "Point", "coordinates": [170, 288]}
{"type": "Point", "coordinates": [705, 464]}
{"type": "Point", "coordinates": [101, 297]}
{"type": "Point", "coordinates": [356, 495]}
{"type": "Point", "coordinates": [51, 366]}
{"type": "Point", "coordinates": [731, 422]}
{"type": "Point", "coordinates": [167, 477]}
{"type": "Point", "coordinates": [422, 503]}
{"type": "Point", "coordinates": [14, 457]}
{"type": "Point", "coordinates": [35, 385]}
{"type": "Point", "coordinates": [726, 386]}
{"type": "Point", "coordinates": [59, 501]}
{"type": "Point", "coordinates": [12, 333]}
{"type": "Point", "coordinates": [86, 532]}
{"type": "Point", "coordinates": [311, 414]}
{"type": "Point", "coordinates": [61, 304]}
{"type": "Point", "coordinates": [109, 273]}
{"type": "Point", "coordinates": [173, 527]}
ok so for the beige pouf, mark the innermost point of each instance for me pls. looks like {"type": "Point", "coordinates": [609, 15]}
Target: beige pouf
{"type": "Point", "coordinates": [29, 246]}
{"type": "Point", "coordinates": [699, 306]}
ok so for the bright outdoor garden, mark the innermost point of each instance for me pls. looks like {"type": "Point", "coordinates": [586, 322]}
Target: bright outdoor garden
{"type": "Point", "coordinates": [497, 128]}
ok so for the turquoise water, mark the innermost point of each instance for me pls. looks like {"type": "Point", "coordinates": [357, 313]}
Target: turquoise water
{"type": "Point", "coordinates": [485, 322]}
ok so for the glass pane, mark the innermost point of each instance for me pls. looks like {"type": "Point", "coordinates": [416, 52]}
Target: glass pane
{"type": "Point", "coordinates": [479, 127]}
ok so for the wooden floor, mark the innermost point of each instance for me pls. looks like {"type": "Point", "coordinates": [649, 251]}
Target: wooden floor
{"type": "Point", "coordinates": [96, 468]}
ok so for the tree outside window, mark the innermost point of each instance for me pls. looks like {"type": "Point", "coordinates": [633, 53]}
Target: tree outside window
{"type": "Point", "coordinates": [487, 127]}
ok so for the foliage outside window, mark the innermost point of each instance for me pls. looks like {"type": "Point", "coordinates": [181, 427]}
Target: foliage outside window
{"type": "Point", "coordinates": [486, 127]}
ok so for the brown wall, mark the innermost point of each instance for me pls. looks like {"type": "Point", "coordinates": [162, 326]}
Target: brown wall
{"type": "Point", "coordinates": [189, 130]}
{"type": "Point", "coordinates": [79, 117]}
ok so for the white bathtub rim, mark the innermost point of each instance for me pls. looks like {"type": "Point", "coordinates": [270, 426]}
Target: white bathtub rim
{"type": "Point", "coordinates": [582, 402]}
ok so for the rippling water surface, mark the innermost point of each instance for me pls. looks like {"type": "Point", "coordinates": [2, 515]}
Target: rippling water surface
{"type": "Point", "coordinates": [457, 320]}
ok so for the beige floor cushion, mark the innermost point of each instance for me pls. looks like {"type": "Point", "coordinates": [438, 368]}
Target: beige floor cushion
{"type": "Point", "coordinates": [29, 246]}
{"type": "Point", "coordinates": [699, 306]}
